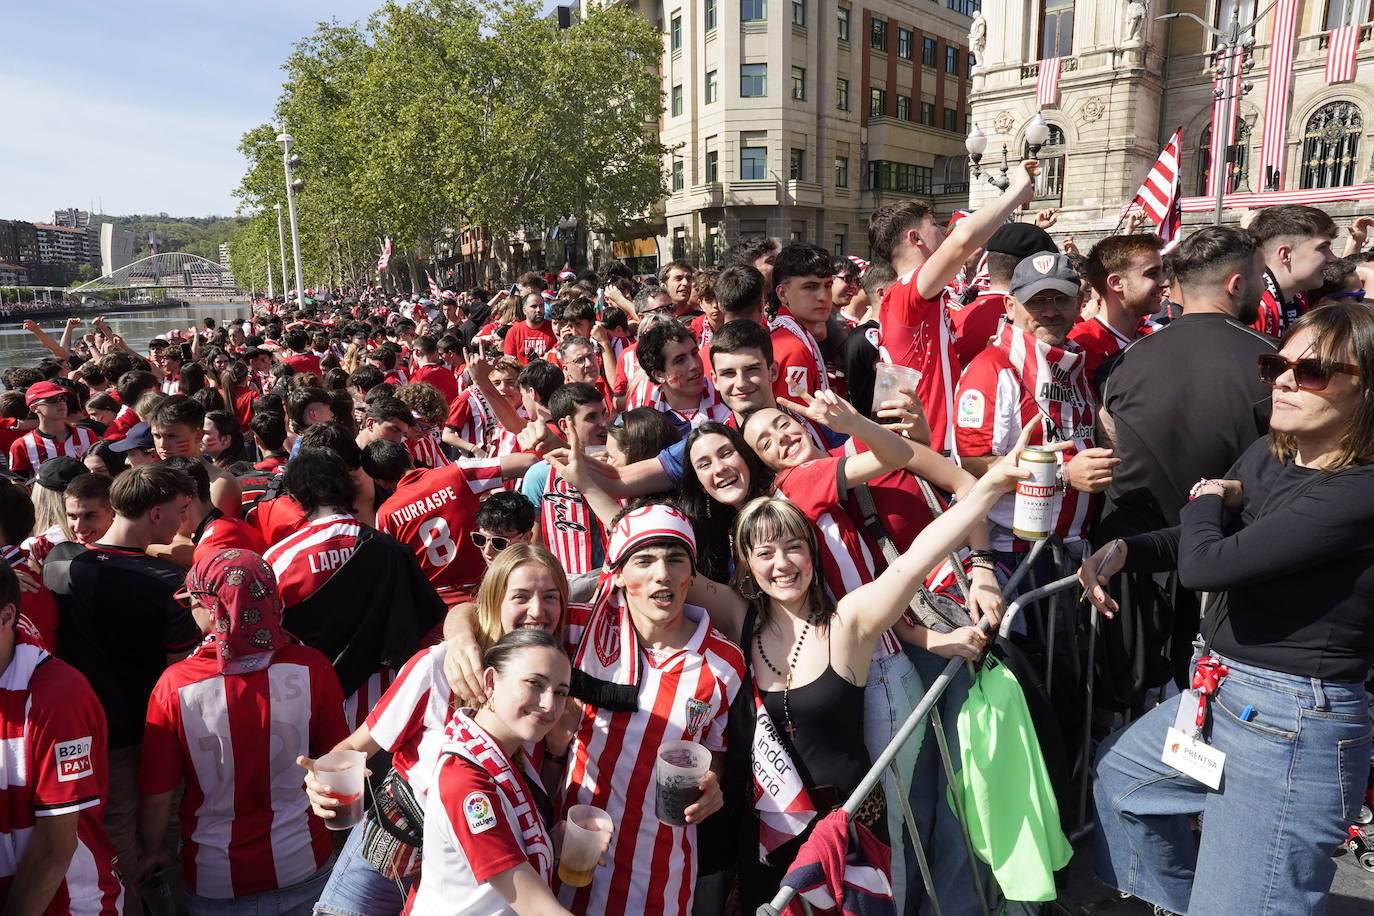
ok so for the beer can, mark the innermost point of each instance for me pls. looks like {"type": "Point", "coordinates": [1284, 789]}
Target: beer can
{"type": "Point", "coordinates": [1033, 518]}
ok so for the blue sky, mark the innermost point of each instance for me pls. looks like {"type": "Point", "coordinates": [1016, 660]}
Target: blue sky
{"type": "Point", "coordinates": [142, 103]}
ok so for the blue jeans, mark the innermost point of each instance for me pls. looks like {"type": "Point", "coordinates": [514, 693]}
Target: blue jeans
{"type": "Point", "coordinates": [356, 888]}
{"type": "Point", "coordinates": [295, 900]}
{"type": "Point", "coordinates": [892, 692]}
{"type": "Point", "coordinates": [1293, 781]}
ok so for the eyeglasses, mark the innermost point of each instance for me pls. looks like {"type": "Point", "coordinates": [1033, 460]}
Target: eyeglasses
{"type": "Point", "coordinates": [497, 542]}
{"type": "Point", "coordinates": [186, 597]}
{"type": "Point", "coordinates": [1346, 294]}
{"type": "Point", "coordinates": [1310, 374]}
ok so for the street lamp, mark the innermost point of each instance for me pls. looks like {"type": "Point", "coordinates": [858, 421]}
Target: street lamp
{"type": "Point", "coordinates": [288, 163]}
{"type": "Point", "coordinates": [1037, 135]}
{"type": "Point", "coordinates": [281, 244]}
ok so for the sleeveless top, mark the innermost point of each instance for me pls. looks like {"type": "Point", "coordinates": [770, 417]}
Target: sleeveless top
{"type": "Point", "coordinates": [828, 747]}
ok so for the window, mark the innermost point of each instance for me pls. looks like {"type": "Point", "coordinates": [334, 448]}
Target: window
{"type": "Point", "coordinates": [928, 114]}
{"type": "Point", "coordinates": [842, 94]}
{"type": "Point", "coordinates": [753, 162]}
{"type": "Point", "coordinates": [675, 32]}
{"type": "Point", "coordinates": [798, 232]}
{"type": "Point", "coordinates": [679, 172]}
{"type": "Point", "coordinates": [1331, 146]}
{"type": "Point", "coordinates": [1056, 28]}
{"type": "Point", "coordinates": [969, 60]}
{"type": "Point", "coordinates": [843, 23]}
{"type": "Point", "coordinates": [1049, 186]}
{"type": "Point", "coordinates": [838, 250]}
{"type": "Point", "coordinates": [799, 12]}
{"type": "Point", "coordinates": [710, 14]}
{"type": "Point", "coordinates": [951, 59]}
{"type": "Point", "coordinates": [712, 167]}
{"type": "Point", "coordinates": [928, 52]}
{"type": "Point", "coordinates": [799, 83]}
{"type": "Point", "coordinates": [966, 7]}
{"type": "Point", "coordinates": [951, 120]}
{"type": "Point", "coordinates": [841, 171]}
{"type": "Point", "coordinates": [796, 169]}
{"type": "Point", "coordinates": [899, 176]}
{"type": "Point", "coordinates": [904, 44]}
{"type": "Point", "coordinates": [753, 10]}
{"type": "Point", "coordinates": [1338, 13]}
{"type": "Point", "coordinates": [1247, 11]}
{"type": "Point", "coordinates": [679, 242]}
{"type": "Point", "coordinates": [1237, 160]}
{"type": "Point", "coordinates": [753, 228]}
{"type": "Point", "coordinates": [753, 81]}
{"type": "Point", "coordinates": [877, 103]}
{"type": "Point", "coordinates": [712, 243]}
{"type": "Point", "coordinates": [677, 101]}
{"type": "Point", "coordinates": [712, 87]}
{"type": "Point", "coordinates": [878, 38]}
{"type": "Point", "coordinates": [904, 107]}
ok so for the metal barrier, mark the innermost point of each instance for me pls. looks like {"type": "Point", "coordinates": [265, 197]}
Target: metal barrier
{"type": "Point", "coordinates": [926, 708]}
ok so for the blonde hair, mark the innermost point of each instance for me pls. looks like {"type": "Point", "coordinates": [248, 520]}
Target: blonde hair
{"type": "Point", "coordinates": [492, 591]}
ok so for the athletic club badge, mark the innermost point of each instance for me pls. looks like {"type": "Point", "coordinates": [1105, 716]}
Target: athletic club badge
{"type": "Point", "coordinates": [697, 710]}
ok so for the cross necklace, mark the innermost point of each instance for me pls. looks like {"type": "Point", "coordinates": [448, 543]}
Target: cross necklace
{"type": "Point", "coordinates": [791, 729]}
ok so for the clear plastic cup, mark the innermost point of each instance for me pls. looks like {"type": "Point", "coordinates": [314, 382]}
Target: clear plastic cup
{"type": "Point", "coordinates": [679, 768]}
{"type": "Point", "coordinates": [343, 772]}
{"type": "Point", "coordinates": [889, 378]}
{"type": "Point", "coordinates": [583, 836]}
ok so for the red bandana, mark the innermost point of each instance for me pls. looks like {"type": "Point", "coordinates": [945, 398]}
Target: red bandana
{"type": "Point", "coordinates": [240, 590]}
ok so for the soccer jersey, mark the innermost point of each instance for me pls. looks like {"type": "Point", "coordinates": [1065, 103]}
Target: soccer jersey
{"type": "Point", "coordinates": [303, 362]}
{"type": "Point", "coordinates": [848, 558]}
{"type": "Point", "coordinates": [526, 343]}
{"type": "Point", "coordinates": [276, 518]}
{"type": "Point", "coordinates": [410, 717]}
{"type": "Point", "coordinates": [683, 696]}
{"type": "Point", "coordinates": [916, 334]}
{"type": "Point", "coordinates": [472, 418]}
{"type": "Point", "coordinates": [305, 560]}
{"type": "Point", "coordinates": [432, 512]}
{"type": "Point", "coordinates": [9, 434]}
{"type": "Point", "coordinates": [54, 764]}
{"type": "Point", "coordinates": [801, 367]}
{"type": "Point", "coordinates": [122, 423]}
{"type": "Point", "coordinates": [221, 533]}
{"type": "Point", "coordinates": [441, 377]}
{"type": "Point", "coordinates": [29, 451]}
{"type": "Point", "coordinates": [425, 450]}
{"type": "Point", "coordinates": [975, 324]}
{"type": "Point", "coordinates": [246, 826]}
{"type": "Point", "coordinates": [1099, 340]}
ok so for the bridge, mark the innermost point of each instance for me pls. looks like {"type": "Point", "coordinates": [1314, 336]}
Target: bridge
{"type": "Point", "coordinates": [175, 272]}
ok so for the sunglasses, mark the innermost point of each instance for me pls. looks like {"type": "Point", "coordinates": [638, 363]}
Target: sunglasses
{"type": "Point", "coordinates": [185, 597]}
{"type": "Point", "coordinates": [480, 540]}
{"type": "Point", "coordinates": [1309, 373]}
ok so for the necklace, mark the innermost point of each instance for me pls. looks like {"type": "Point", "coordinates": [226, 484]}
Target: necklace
{"type": "Point", "coordinates": [791, 667]}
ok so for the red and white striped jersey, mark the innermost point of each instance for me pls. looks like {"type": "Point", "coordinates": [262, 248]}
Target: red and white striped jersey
{"type": "Point", "coordinates": [472, 418]}
{"type": "Point", "coordinates": [916, 333]}
{"type": "Point", "coordinates": [432, 512]}
{"type": "Point", "coordinates": [246, 826]}
{"type": "Point", "coordinates": [848, 559]}
{"type": "Point", "coordinates": [356, 706]}
{"type": "Point", "coordinates": [685, 696]}
{"type": "Point", "coordinates": [54, 763]}
{"type": "Point", "coordinates": [801, 367]}
{"type": "Point", "coordinates": [29, 451]}
{"type": "Point", "coordinates": [409, 720]}
{"type": "Point", "coordinates": [305, 560]}
{"type": "Point", "coordinates": [425, 451]}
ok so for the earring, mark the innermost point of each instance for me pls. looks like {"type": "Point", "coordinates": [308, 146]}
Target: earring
{"type": "Point", "coordinates": [743, 589]}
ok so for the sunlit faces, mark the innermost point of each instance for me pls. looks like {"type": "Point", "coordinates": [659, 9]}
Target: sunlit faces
{"type": "Point", "coordinates": [51, 410]}
{"type": "Point", "coordinates": [927, 235]}
{"type": "Point", "coordinates": [166, 520]}
{"type": "Point", "coordinates": [783, 568]}
{"type": "Point", "coordinates": [779, 440]}
{"type": "Point", "coordinates": [1049, 315]}
{"type": "Point", "coordinates": [1143, 283]}
{"type": "Point", "coordinates": [529, 694]}
{"type": "Point", "coordinates": [101, 416]}
{"type": "Point", "coordinates": [807, 298]}
{"type": "Point", "coordinates": [764, 265]}
{"type": "Point", "coordinates": [318, 412]}
{"type": "Point", "coordinates": [1314, 415]}
{"type": "Point", "coordinates": [1307, 259]}
{"type": "Point", "coordinates": [395, 430]}
{"type": "Point", "coordinates": [504, 383]}
{"type": "Point", "coordinates": [533, 309]}
{"type": "Point", "coordinates": [96, 465]}
{"type": "Point", "coordinates": [842, 288]}
{"type": "Point", "coordinates": [715, 315]}
{"type": "Point", "coordinates": [532, 599]}
{"type": "Point", "coordinates": [88, 518]}
{"type": "Point", "coordinates": [580, 363]}
{"type": "Point", "coordinates": [655, 581]}
{"type": "Point", "coordinates": [721, 469]}
{"type": "Point", "coordinates": [211, 442]}
{"type": "Point", "coordinates": [678, 283]}
{"type": "Point", "coordinates": [491, 543]}
{"type": "Point", "coordinates": [744, 379]}
{"type": "Point", "coordinates": [682, 369]}
{"type": "Point", "coordinates": [658, 302]}
{"type": "Point", "coordinates": [177, 440]}
{"type": "Point", "coordinates": [591, 422]}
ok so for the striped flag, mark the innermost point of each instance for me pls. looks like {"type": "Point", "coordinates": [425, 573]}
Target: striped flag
{"type": "Point", "coordinates": [1223, 134]}
{"type": "Point", "coordinates": [1340, 54]}
{"type": "Point", "coordinates": [1161, 195]}
{"type": "Point", "coordinates": [433, 287]}
{"type": "Point", "coordinates": [385, 259]}
{"type": "Point", "coordinates": [1277, 92]}
{"type": "Point", "coordinates": [1047, 82]}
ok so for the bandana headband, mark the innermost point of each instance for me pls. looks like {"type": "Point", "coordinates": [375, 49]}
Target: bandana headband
{"type": "Point", "coordinates": [649, 523]}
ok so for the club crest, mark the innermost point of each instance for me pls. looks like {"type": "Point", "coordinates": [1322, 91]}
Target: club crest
{"type": "Point", "coordinates": [697, 711]}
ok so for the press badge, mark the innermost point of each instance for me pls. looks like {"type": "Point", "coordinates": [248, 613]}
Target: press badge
{"type": "Point", "coordinates": [1184, 749]}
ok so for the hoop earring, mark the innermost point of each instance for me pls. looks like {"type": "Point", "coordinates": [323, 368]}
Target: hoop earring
{"type": "Point", "coordinates": [758, 592]}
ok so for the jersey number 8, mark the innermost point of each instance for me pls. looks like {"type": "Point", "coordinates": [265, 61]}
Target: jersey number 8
{"type": "Point", "coordinates": [440, 548]}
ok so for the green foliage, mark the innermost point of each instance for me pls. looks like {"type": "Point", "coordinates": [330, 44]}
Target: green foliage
{"type": "Point", "coordinates": [439, 114]}
{"type": "Point", "coordinates": [193, 235]}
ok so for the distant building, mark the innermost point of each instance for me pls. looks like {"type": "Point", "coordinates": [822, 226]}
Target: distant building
{"type": "Point", "coordinates": [228, 277]}
{"type": "Point", "coordinates": [116, 248]}
{"type": "Point", "coordinates": [13, 275]}
{"type": "Point", "coordinates": [72, 218]}
{"type": "Point", "coordinates": [66, 245]}
{"type": "Point", "coordinates": [18, 242]}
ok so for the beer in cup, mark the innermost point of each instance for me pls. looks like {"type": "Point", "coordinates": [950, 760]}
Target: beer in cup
{"type": "Point", "coordinates": [343, 772]}
{"type": "Point", "coordinates": [583, 836]}
{"type": "Point", "coordinates": [679, 769]}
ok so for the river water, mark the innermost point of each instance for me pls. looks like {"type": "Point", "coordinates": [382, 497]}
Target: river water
{"type": "Point", "coordinates": [20, 348]}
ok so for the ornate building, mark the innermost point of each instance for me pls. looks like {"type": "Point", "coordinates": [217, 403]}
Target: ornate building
{"type": "Point", "coordinates": [1128, 80]}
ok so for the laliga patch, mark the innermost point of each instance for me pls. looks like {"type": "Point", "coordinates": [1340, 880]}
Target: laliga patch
{"type": "Point", "coordinates": [796, 381]}
{"type": "Point", "coordinates": [971, 409]}
{"type": "Point", "coordinates": [73, 759]}
{"type": "Point", "coordinates": [871, 335]}
{"type": "Point", "coordinates": [478, 811]}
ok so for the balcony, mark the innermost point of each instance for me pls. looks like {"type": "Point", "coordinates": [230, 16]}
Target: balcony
{"type": "Point", "coordinates": [698, 196]}
{"type": "Point", "coordinates": [751, 193]}
{"type": "Point", "coordinates": [803, 194]}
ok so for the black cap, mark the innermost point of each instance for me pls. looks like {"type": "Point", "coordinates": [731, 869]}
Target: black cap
{"type": "Point", "coordinates": [1021, 240]}
{"type": "Point", "coordinates": [138, 436]}
{"type": "Point", "coordinates": [56, 473]}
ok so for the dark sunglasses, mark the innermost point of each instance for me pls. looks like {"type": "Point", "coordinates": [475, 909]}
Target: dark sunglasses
{"type": "Point", "coordinates": [480, 540]}
{"type": "Point", "coordinates": [1309, 373]}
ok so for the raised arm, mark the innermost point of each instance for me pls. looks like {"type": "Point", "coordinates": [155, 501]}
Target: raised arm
{"type": "Point", "coordinates": [480, 370]}
{"type": "Point", "coordinates": [45, 339]}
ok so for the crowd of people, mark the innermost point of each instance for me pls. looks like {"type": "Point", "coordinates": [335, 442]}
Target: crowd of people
{"type": "Point", "coordinates": [507, 545]}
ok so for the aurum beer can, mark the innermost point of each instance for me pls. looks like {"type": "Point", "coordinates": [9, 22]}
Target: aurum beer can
{"type": "Point", "coordinates": [1033, 518]}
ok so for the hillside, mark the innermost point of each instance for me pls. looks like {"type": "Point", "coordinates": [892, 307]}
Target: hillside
{"type": "Point", "coordinates": [200, 235]}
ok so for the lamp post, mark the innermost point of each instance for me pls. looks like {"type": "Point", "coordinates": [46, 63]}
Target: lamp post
{"type": "Point", "coordinates": [1037, 133]}
{"type": "Point", "coordinates": [281, 244]}
{"type": "Point", "coordinates": [288, 163]}
{"type": "Point", "coordinates": [270, 294]}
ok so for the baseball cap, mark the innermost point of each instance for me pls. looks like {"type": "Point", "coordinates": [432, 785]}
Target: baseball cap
{"type": "Point", "coordinates": [1020, 239]}
{"type": "Point", "coordinates": [1042, 271]}
{"type": "Point", "coordinates": [56, 473]}
{"type": "Point", "coordinates": [138, 436]}
{"type": "Point", "coordinates": [43, 391]}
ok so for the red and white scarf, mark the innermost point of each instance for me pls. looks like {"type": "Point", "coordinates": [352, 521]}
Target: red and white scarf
{"type": "Point", "coordinates": [780, 799]}
{"type": "Point", "coordinates": [1055, 380]}
{"type": "Point", "coordinates": [465, 738]}
{"type": "Point", "coordinates": [567, 524]}
{"type": "Point", "coordinates": [785, 320]}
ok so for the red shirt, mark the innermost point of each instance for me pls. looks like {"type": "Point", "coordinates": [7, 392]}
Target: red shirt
{"type": "Point", "coordinates": [271, 463]}
{"type": "Point", "coordinates": [441, 377]}
{"type": "Point", "coordinates": [9, 432]}
{"type": "Point", "coordinates": [306, 559]}
{"type": "Point", "coordinates": [801, 368]}
{"type": "Point", "coordinates": [303, 362]}
{"type": "Point", "coordinates": [122, 423]}
{"type": "Point", "coordinates": [246, 826]}
{"type": "Point", "coordinates": [916, 334]}
{"type": "Point", "coordinates": [276, 518]}
{"type": "Point", "coordinates": [224, 533]}
{"type": "Point", "coordinates": [29, 451]}
{"type": "Point", "coordinates": [976, 323]}
{"type": "Point", "coordinates": [1100, 340]}
{"type": "Point", "coordinates": [525, 343]}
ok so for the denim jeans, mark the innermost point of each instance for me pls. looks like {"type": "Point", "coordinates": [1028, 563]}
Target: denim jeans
{"type": "Point", "coordinates": [355, 888]}
{"type": "Point", "coordinates": [892, 692]}
{"type": "Point", "coordinates": [1293, 780]}
{"type": "Point", "coordinates": [295, 900]}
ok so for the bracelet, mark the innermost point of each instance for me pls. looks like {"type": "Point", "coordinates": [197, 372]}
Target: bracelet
{"type": "Point", "coordinates": [1196, 490]}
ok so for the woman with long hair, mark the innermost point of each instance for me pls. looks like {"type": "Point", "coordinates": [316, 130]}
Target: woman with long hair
{"type": "Point", "coordinates": [1285, 545]}
{"type": "Point", "coordinates": [722, 475]}
{"type": "Point", "coordinates": [238, 394]}
{"type": "Point", "coordinates": [222, 441]}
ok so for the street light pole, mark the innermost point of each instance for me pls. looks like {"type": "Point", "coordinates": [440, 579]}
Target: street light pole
{"type": "Point", "coordinates": [281, 244]}
{"type": "Point", "coordinates": [270, 294]}
{"type": "Point", "coordinates": [284, 141]}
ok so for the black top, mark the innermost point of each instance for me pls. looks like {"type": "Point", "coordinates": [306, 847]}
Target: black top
{"type": "Point", "coordinates": [828, 748]}
{"type": "Point", "coordinates": [117, 623]}
{"type": "Point", "coordinates": [861, 367]}
{"type": "Point", "coordinates": [1186, 401]}
{"type": "Point", "coordinates": [1294, 569]}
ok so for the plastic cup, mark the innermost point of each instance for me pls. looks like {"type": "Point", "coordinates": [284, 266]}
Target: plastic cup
{"type": "Point", "coordinates": [344, 772]}
{"type": "Point", "coordinates": [680, 767]}
{"type": "Point", "coordinates": [583, 836]}
{"type": "Point", "coordinates": [890, 377]}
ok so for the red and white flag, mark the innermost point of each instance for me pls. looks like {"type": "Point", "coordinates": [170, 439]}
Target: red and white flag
{"type": "Point", "coordinates": [1047, 82]}
{"type": "Point", "coordinates": [1340, 54]}
{"type": "Point", "coordinates": [385, 259]}
{"type": "Point", "coordinates": [433, 287]}
{"type": "Point", "coordinates": [1277, 92]}
{"type": "Point", "coordinates": [1223, 134]}
{"type": "Point", "coordinates": [1161, 194]}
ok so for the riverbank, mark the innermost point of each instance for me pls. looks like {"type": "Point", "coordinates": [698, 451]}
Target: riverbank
{"type": "Point", "coordinates": [17, 314]}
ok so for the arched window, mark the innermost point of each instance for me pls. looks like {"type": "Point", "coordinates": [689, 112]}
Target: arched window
{"type": "Point", "coordinates": [1331, 146]}
{"type": "Point", "coordinates": [1237, 160]}
{"type": "Point", "coordinates": [1049, 186]}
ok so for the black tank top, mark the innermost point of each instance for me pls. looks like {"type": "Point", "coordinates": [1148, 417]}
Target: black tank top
{"type": "Point", "coordinates": [828, 747]}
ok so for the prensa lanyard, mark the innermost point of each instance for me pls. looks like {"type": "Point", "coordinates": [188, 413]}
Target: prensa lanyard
{"type": "Point", "coordinates": [1207, 677]}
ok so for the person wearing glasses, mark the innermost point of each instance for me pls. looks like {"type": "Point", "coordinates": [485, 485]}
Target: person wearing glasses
{"type": "Point", "coordinates": [1285, 546]}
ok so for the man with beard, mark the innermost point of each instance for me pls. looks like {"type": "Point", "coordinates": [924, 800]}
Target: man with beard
{"type": "Point", "coordinates": [1128, 273]}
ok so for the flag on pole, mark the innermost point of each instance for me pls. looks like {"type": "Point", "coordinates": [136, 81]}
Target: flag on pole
{"type": "Point", "coordinates": [1277, 92]}
{"type": "Point", "coordinates": [1161, 194]}
{"type": "Point", "coordinates": [1047, 82]}
{"type": "Point", "coordinates": [385, 259]}
{"type": "Point", "coordinates": [1340, 54]}
{"type": "Point", "coordinates": [1223, 134]}
{"type": "Point", "coordinates": [433, 287]}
